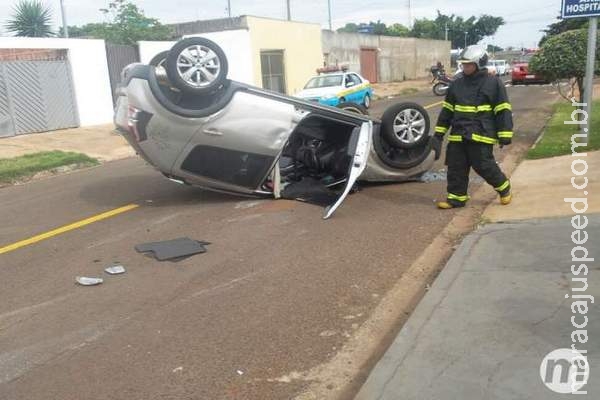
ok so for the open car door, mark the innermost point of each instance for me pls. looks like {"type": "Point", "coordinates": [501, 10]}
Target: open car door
{"type": "Point", "coordinates": [358, 149]}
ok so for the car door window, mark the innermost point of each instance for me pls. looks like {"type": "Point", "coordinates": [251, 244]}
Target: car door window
{"type": "Point", "coordinates": [355, 78]}
{"type": "Point", "coordinates": [347, 80]}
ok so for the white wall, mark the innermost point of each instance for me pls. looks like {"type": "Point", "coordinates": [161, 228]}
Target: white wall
{"type": "Point", "coordinates": [90, 73]}
{"type": "Point", "coordinates": [238, 49]}
{"type": "Point", "coordinates": [235, 44]}
{"type": "Point", "coordinates": [150, 49]}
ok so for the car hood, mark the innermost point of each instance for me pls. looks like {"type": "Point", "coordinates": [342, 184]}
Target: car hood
{"type": "Point", "coordinates": [318, 92]}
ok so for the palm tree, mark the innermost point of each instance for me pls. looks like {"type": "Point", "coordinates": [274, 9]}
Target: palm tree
{"type": "Point", "coordinates": [31, 18]}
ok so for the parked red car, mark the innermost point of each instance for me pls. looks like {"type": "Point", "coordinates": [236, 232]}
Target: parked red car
{"type": "Point", "coordinates": [521, 74]}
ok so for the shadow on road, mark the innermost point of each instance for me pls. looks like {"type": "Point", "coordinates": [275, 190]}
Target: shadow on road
{"type": "Point", "coordinates": [115, 191]}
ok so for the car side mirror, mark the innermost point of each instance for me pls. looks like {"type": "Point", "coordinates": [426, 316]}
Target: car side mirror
{"type": "Point", "coordinates": [349, 84]}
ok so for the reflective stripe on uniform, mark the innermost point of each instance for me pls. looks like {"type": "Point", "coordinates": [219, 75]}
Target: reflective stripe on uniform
{"type": "Point", "coordinates": [501, 107]}
{"type": "Point", "coordinates": [473, 109]}
{"type": "Point", "coordinates": [441, 129]}
{"type": "Point", "coordinates": [447, 105]}
{"type": "Point", "coordinates": [465, 109]}
{"type": "Point", "coordinates": [455, 138]}
{"type": "Point", "coordinates": [503, 187]}
{"type": "Point", "coordinates": [483, 139]}
{"type": "Point", "coordinates": [505, 134]}
{"type": "Point", "coordinates": [457, 197]}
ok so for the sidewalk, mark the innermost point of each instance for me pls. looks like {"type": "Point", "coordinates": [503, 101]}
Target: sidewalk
{"type": "Point", "coordinates": [498, 307]}
{"type": "Point", "coordinates": [99, 142]}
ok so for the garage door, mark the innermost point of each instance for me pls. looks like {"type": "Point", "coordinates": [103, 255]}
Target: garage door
{"type": "Point", "coordinates": [36, 96]}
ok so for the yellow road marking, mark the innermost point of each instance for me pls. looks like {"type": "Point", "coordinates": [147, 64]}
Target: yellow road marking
{"type": "Point", "coordinates": [67, 228]}
{"type": "Point", "coordinates": [433, 105]}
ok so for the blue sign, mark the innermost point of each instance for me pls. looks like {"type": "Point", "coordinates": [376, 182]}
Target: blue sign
{"type": "Point", "coordinates": [580, 8]}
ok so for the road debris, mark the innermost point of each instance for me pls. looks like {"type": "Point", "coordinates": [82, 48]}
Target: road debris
{"type": "Point", "coordinates": [86, 281]}
{"type": "Point", "coordinates": [115, 269]}
{"type": "Point", "coordinates": [178, 369]}
{"type": "Point", "coordinates": [240, 372]}
{"type": "Point", "coordinates": [173, 249]}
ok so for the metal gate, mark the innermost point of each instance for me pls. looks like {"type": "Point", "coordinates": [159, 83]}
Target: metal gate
{"type": "Point", "coordinates": [36, 96]}
{"type": "Point", "coordinates": [368, 64]}
{"type": "Point", "coordinates": [118, 57]}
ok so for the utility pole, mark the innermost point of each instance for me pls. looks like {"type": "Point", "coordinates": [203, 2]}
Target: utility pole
{"type": "Point", "coordinates": [466, 34]}
{"type": "Point", "coordinates": [446, 29]}
{"type": "Point", "coordinates": [64, 19]}
{"type": "Point", "coordinates": [229, 8]}
{"type": "Point", "coordinates": [289, 12]}
{"type": "Point", "coordinates": [588, 91]}
{"type": "Point", "coordinates": [329, 8]}
{"type": "Point", "coordinates": [409, 15]}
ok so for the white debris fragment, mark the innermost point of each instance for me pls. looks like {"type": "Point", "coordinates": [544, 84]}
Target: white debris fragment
{"type": "Point", "coordinates": [178, 369]}
{"type": "Point", "coordinates": [115, 269]}
{"type": "Point", "coordinates": [240, 372]}
{"type": "Point", "coordinates": [86, 281]}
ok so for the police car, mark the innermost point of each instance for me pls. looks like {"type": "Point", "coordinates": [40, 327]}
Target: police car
{"type": "Point", "coordinates": [335, 85]}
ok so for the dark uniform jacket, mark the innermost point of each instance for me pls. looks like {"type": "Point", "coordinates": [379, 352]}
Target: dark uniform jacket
{"type": "Point", "coordinates": [476, 109]}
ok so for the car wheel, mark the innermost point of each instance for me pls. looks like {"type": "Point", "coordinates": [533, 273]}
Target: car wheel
{"type": "Point", "coordinates": [405, 125]}
{"type": "Point", "coordinates": [367, 101]}
{"type": "Point", "coordinates": [399, 158]}
{"type": "Point", "coordinates": [440, 89]}
{"type": "Point", "coordinates": [197, 65]}
{"type": "Point", "coordinates": [160, 59]}
{"type": "Point", "coordinates": [353, 107]}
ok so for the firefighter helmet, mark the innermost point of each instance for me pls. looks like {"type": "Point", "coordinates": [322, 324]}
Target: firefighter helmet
{"type": "Point", "coordinates": [474, 54]}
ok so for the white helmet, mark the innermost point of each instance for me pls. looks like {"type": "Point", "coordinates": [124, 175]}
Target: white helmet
{"type": "Point", "coordinates": [474, 54]}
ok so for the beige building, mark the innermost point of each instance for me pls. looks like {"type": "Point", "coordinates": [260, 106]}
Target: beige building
{"type": "Point", "coordinates": [273, 54]}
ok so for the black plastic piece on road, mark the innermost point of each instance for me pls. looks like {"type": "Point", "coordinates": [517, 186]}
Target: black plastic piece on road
{"type": "Point", "coordinates": [173, 249]}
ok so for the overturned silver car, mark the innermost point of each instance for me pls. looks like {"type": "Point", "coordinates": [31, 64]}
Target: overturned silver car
{"type": "Point", "coordinates": [183, 116]}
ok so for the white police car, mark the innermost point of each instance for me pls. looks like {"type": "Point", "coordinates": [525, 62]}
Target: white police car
{"type": "Point", "coordinates": [335, 86]}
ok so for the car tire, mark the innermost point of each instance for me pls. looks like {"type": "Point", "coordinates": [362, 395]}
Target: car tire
{"type": "Point", "coordinates": [353, 107]}
{"type": "Point", "coordinates": [367, 101]}
{"type": "Point", "coordinates": [193, 52]}
{"type": "Point", "coordinates": [160, 59]}
{"type": "Point", "coordinates": [405, 114]}
{"type": "Point", "coordinates": [440, 89]}
{"type": "Point", "coordinates": [398, 158]}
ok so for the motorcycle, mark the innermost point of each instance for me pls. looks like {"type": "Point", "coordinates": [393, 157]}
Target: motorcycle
{"type": "Point", "coordinates": [441, 85]}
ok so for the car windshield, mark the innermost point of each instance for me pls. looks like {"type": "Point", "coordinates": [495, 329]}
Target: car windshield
{"type": "Point", "coordinates": [324, 81]}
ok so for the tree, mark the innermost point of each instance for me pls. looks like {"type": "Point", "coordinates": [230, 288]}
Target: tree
{"type": "Point", "coordinates": [476, 28]}
{"type": "Point", "coordinates": [350, 27]}
{"type": "Point", "coordinates": [379, 28]}
{"type": "Point", "coordinates": [561, 26]}
{"type": "Point", "coordinates": [491, 48]}
{"type": "Point", "coordinates": [563, 56]}
{"type": "Point", "coordinates": [31, 18]}
{"type": "Point", "coordinates": [127, 25]}
{"type": "Point", "coordinates": [92, 30]}
{"type": "Point", "coordinates": [398, 30]}
{"type": "Point", "coordinates": [427, 29]}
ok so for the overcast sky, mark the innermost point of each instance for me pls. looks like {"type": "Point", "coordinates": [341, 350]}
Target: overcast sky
{"type": "Point", "coordinates": [524, 19]}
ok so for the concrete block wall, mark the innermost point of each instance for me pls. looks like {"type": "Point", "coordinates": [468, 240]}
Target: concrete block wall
{"type": "Point", "coordinates": [398, 58]}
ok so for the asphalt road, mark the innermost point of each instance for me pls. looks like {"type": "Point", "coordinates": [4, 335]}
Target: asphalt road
{"type": "Point", "coordinates": [279, 291]}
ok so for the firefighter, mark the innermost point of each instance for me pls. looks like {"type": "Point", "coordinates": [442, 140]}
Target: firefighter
{"type": "Point", "coordinates": [476, 114]}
